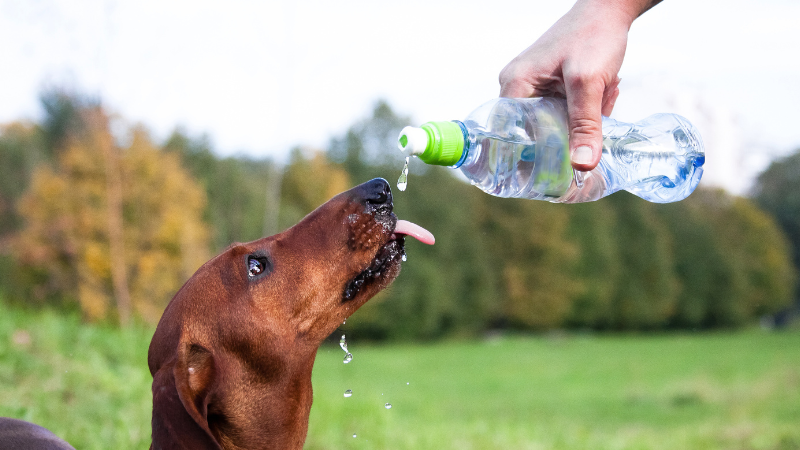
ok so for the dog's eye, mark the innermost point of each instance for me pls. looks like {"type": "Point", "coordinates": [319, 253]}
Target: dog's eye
{"type": "Point", "coordinates": [256, 265]}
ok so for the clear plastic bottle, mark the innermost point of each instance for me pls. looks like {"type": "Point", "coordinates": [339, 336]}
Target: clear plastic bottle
{"type": "Point", "coordinates": [519, 148]}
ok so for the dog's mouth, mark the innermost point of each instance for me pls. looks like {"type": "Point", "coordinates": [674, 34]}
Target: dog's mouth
{"type": "Point", "coordinates": [386, 263]}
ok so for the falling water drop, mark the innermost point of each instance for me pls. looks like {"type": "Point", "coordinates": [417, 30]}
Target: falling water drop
{"type": "Point", "coordinates": [405, 258]}
{"type": "Point", "coordinates": [343, 343]}
{"type": "Point", "coordinates": [348, 393]}
{"type": "Point", "coordinates": [344, 321]}
{"type": "Point", "coordinates": [402, 182]}
{"type": "Point", "coordinates": [388, 406]}
{"type": "Point", "coordinates": [354, 435]}
{"type": "Point", "coordinates": [348, 357]}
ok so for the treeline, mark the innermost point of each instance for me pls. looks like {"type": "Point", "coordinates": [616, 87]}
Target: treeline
{"type": "Point", "coordinates": [112, 223]}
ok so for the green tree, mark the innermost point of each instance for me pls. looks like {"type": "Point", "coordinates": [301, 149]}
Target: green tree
{"type": "Point", "coordinates": [241, 190]}
{"type": "Point", "coordinates": [368, 149]}
{"type": "Point", "coordinates": [530, 248]}
{"type": "Point", "coordinates": [760, 254]}
{"type": "Point", "coordinates": [62, 117]}
{"type": "Point", "coordinates": [21, 147]}
{"type": "Point", "coordinates": [732, 260]}
{"type": "Point", "coordinates": [646, 290]}
{"type": "Point", "coordinates": [777, 191]}
{"type": "Point", "coordinates": [707, 278]}
{"type": "Point", "coordinates": [598, 269]}
{"type": "Point", "coordinates": [446, 289]}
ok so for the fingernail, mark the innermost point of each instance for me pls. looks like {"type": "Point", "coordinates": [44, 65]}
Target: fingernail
{"type": "Point", "coordinates": [582, 155]}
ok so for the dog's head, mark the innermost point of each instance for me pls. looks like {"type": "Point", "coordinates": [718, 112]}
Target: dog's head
{"type": "Point", "coordinates": [251, 319]}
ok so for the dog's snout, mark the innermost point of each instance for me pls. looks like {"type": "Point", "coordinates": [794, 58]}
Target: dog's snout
{"type": "Point", "coordinates": [376, 192]}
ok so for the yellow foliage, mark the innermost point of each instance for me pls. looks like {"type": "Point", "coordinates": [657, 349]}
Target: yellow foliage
{"type": "Point", "coordinates": [66, 232]}
{"type": "Point", "coordinates": [93, 299]}
{"type": "Point", "coordinates": [309, 181]}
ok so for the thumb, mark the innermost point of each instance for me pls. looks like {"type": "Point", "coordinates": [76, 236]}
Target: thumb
{"type": "Point", "coordinates": [584, 103]}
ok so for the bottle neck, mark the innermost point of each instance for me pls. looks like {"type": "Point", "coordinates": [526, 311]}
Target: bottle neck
{"type": "Point", "coordinates": [467, 144]}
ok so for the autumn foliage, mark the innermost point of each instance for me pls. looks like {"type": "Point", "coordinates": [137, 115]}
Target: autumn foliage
{"type": "Point", "coordinates": [107, 222]}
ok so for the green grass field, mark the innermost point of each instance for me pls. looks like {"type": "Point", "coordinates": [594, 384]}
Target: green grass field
{"type": "Point", "coordinates": [90, 385]}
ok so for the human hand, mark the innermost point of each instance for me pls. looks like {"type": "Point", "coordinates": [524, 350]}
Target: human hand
{"type": "Point", "coordinates": [578, 58]}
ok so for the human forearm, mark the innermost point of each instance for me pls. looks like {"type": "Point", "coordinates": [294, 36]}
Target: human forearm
{"type": "Point", "coordinates": [625, 10]}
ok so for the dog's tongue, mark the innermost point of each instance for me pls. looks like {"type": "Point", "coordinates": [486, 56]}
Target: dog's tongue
{"type": "Point", "coordinates": [415, 231]}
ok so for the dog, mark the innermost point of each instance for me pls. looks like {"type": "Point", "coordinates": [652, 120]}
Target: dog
{"type": "Point", "coordinates": [232, 355]}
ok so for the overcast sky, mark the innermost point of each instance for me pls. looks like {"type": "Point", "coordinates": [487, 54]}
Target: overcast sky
{"type": "Point", "coordinates": [261, 77]}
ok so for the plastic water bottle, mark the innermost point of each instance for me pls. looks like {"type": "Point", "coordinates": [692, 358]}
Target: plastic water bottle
{"type": "Point", "coordinates": [519, 148]}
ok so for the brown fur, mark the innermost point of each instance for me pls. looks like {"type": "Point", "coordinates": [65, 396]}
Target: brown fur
{"type": "Point", "coordinates": [232, 356]}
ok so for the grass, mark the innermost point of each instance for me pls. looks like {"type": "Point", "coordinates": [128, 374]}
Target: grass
{"type": "Point", "coordinates": [737, 390]}
{"type": "Point", "coordinates": [699, 391]}
{"type": "Point", "coordinates": [88, 384]}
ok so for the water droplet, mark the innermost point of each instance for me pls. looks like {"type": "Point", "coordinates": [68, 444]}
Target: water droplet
{"type": "Point", "coordinates": [405, 258]}
{"type": "Point", "coordinates": [348, 357]}
{"type": "Point", "coordinates": [402, 182]}
{"type": "Point", "coordinates": [348, 393]}
{"type": "Point", "coordinates": [388, 406]}
{"type": "Point", "coordinates": [354, 435]}
{"type": "Point", "coordinates": [344, 321]}
{"type": "Point", "coordinates": [407, 384]}
{"type": "Point", "coordinates": [343, 343]}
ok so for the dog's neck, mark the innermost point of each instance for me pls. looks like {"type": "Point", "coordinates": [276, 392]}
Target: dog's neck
{"type": "Point", "coordinates": [280, 421]}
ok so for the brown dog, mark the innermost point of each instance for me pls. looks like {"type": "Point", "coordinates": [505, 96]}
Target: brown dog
{"type": "Point", "coordinates": [231, 358]}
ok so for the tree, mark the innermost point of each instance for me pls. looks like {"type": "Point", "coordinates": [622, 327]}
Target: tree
{"type": "Point", "coordinates": [777, 191]}
{"type": "Point", "coordinates": [764, 277]}
{"type": "Point", "coordinates": [646, 290]}
{"type": "Point", "coordinates": [369, 147]}
{"type": "Point", "coordinates": [529, 246]}
{"type": "Point", "coordinates": [20, 151]}
{"type": "Point", "coordinates": [23, 147]}
{"type": "Point", "coordinates": [241, 190]}
{"type": "Point", "coordinates": [598, 268]}
{"type": "Point", "coordinates": [71, 217]}
{"type": "Point", "coordinates": [309, 180]}
{"type": "Point", "coordinates": [446, 289]}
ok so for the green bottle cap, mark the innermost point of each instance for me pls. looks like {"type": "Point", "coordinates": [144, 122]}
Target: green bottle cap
{"type": "Point", "coordinates": [438, 143]}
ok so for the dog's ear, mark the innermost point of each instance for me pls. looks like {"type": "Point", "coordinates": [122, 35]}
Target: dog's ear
{"type": "Point", "coordinates": [195, 378]}
{"type": "Point", "coordinates": [181, 392]}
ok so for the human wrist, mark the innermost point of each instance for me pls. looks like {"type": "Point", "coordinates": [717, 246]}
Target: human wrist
{"type": "Point", "coordinates": [622, 12]}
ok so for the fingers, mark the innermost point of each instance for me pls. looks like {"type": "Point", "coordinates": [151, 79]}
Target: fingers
{"type": "Point", "coordinates": [512, 84]}
{"type": "Point", "coordinates": [585, 98]}
{"type": "Point", "coordinates": [516, 89]}
{"type": "Point", "coordinates": [610, 97]}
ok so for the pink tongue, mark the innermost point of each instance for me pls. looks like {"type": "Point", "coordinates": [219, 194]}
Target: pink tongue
{"type": "Point", "coordinates": [415, 231]}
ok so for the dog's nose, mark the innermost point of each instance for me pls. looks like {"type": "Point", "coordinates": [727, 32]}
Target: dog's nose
{"type": "Point", "coordinates": [376, 192]}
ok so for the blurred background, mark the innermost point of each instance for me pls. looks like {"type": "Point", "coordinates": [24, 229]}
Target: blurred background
{"type": "Point", "coordinates": [138, 139]}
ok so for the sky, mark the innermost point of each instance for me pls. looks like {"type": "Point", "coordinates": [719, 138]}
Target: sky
{"type": "Point", "coordinates": [260, 77]}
